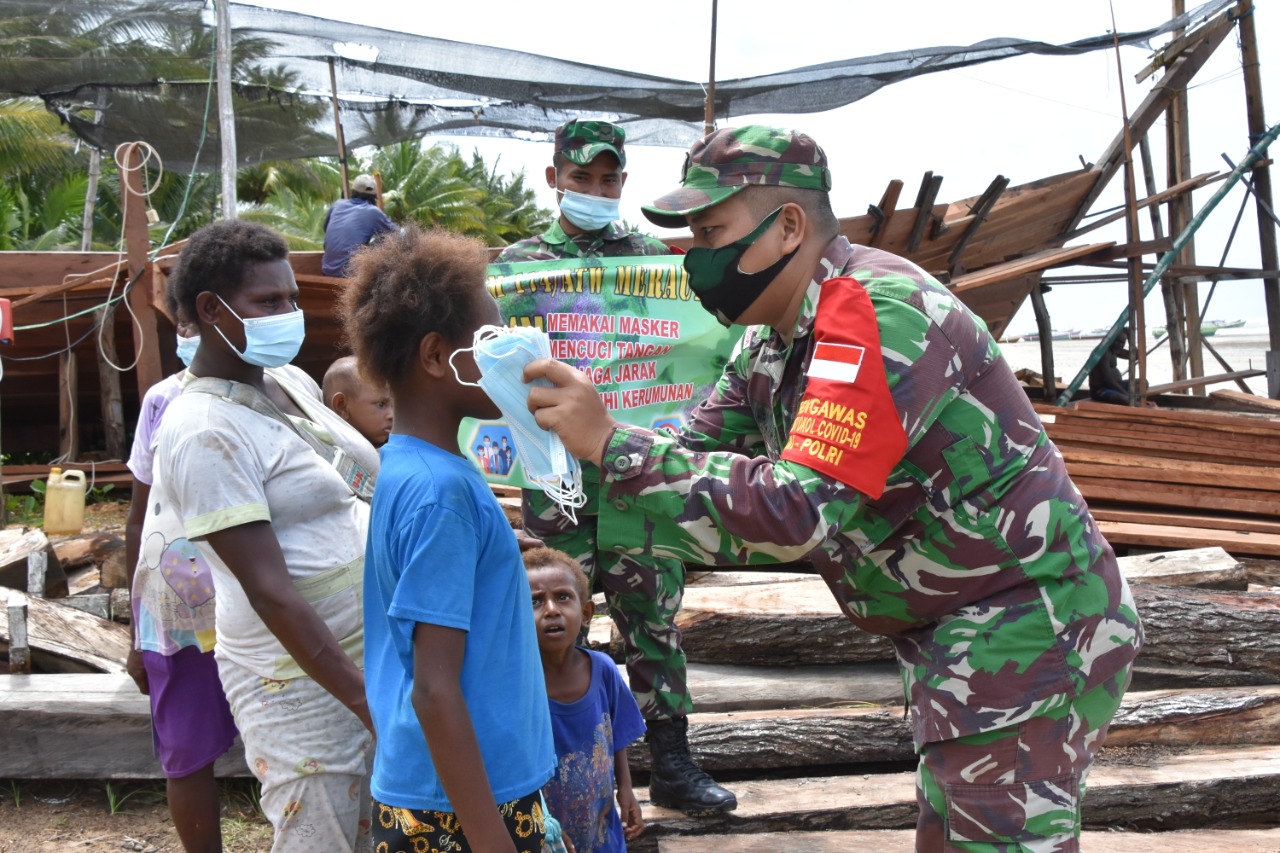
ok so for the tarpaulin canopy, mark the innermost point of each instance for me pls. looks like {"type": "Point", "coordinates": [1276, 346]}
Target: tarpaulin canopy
{"type": "Point", "coordinates": [146, 70]}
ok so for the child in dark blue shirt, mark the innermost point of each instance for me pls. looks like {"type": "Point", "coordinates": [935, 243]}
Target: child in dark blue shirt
{"type": "Point", "coordinates": [593, 714]}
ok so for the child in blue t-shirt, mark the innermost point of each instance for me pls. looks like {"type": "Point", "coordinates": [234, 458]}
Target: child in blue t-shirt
{"type": "Point", "coordinates": [593, 714]}
{"type": "Point", "coordinates": [452, 672]}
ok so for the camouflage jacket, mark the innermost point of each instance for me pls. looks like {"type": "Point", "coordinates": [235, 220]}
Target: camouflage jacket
{"type": "Point", "coordinates": [980, 561]}
{"type": "Point", "coordinates": [612, 241]}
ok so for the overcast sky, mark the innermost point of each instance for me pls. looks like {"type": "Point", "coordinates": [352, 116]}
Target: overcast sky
{"type": "Point", "coordinates": [1025, 118]}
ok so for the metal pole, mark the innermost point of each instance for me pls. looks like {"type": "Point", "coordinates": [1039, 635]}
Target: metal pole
{"type": "Point", "coordinates": [226, 110]}
{"type": "Point", "coordinates": [709, 111]}
{"type": "Point", "coordinates": [337, 127]}
{"type": "Point", "coordinates": [1261, 189]}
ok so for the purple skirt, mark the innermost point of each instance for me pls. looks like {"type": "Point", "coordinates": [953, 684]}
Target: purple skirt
{"type": "Point", "coordinates": [191, 722]}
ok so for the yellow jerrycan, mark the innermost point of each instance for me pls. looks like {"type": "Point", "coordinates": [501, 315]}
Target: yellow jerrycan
{"type": "Point", "coordinates": [64, 502]}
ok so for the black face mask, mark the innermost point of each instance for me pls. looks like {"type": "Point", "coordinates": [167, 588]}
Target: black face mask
{"type": "Point", "coordinates": [724, 289]}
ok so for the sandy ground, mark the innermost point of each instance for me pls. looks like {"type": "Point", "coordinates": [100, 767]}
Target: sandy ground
{"type": "Point", "coordinates": [77, 815]}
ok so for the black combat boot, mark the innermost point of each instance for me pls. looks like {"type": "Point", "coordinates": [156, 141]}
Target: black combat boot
{"type": "Point", "coordinates": [675, 782]}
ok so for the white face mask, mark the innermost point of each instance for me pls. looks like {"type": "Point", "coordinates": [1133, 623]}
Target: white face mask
{"type": "Point", "coordinates": [501, 354]}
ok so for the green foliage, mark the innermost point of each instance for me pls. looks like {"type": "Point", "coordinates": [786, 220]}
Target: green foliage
{"type": "Point", "coordinates": [117, 796]}
{"type": "Point", "coordinates": [98, 494]}
{"type": "Point", "coordinates": [16, 793]}
{"type": "Point", "coordinates": [43, 197]}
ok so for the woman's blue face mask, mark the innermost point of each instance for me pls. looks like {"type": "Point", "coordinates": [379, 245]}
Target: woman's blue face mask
{"type": "Point", "coordinates": [269, 341]}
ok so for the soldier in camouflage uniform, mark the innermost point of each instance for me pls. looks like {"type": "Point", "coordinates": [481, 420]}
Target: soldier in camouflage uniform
{"type": "Point", "coordinates": [868, 423]}
{"type": "Point", "coordinates": [643, 591]}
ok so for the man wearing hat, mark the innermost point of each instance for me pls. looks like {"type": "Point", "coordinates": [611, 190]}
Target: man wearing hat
{"type": "Point", "coordinates": [352, 223]}
{"type": "Point", "coordinates": [587, 172]}
{"type": "Point", "coordinates": [643, 592]}
{"type": "Point", "coordinates": [869, 425]}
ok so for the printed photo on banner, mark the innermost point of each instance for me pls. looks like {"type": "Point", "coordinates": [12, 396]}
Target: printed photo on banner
{"type": "Point", "coordinates": [633, 325]}
{"type": "Point", "coordinates": [492, 448]}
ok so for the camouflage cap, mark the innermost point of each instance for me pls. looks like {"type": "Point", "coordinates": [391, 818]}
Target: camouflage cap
{"type": "Point", "coordinates": [582, 141]}
{"type": "Point", "coordinates": [730, 159]}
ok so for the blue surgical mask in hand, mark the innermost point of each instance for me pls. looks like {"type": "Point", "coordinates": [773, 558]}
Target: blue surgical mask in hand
{"type": "Point", "coordinates": [501, 354]}
{"type": "Point", "coordinates": [589, 212]}
{"type": "Point", "coordinates": [187, 348]}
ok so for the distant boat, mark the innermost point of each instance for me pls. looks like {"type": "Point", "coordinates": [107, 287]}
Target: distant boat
{"type": "Point", "coordinates": [1207, 328]}
{"type": "Point", "coordinates": [1069, 335]}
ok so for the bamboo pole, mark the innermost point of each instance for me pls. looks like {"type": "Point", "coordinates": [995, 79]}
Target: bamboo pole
{"type": "Point", "coordinates": [1261, 189]}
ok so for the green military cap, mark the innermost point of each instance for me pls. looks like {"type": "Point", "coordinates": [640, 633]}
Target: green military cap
{"type": "Point", "coordinates": [582, 141]}
{"type": "Point", "coordinates": [730, 159]}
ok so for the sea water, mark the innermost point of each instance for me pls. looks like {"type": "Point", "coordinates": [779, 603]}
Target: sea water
{"type": "Point", "coordinates": [1244, 348]}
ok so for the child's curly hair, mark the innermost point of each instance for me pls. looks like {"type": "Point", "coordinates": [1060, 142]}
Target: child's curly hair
{"type": "Point", "coordinates": [542, 558]}
{"type": "Point", "coordinates": [410, 284]}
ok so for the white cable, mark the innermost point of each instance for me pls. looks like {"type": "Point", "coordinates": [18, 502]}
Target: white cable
{"type": "Point", "coordinates": [148, 153]}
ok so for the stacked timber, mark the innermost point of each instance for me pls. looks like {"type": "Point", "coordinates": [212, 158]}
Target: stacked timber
{"type": "Point", "coordinates": [1175, 478]}
{"type": "Point", "coordinates": [802, 716]}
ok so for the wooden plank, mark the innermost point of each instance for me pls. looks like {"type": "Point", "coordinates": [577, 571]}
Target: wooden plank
{"type": "Point", "coordinates": [1150, 471]}
{"type": "Point", "coordinates": [16, 545]}
{"type": "Point", "coordinates": [27, 272]}
{"type": "Point", "coordinates": [1204, 380]}
{"type": "Point", "coordinates": [1182, 497]}
{"type": "Point", "coordinates": [1162, 536]}
{"type": "Point", "coordinates": [799, 622]}
{"type": "Point", "coordinates": [744, 625]}
{"type": "Point", "coordinates": [886, 208]}
{"type": "Point", "coordinates": [83, 727]}
{"type": "Point", "coordinates": [1251, 400]}
{"type": "Point", "coordinates": [924, 205]}
{"type": "Point", "coordinates": [903, 841]}
{"type": "Point", "coordinates": [67, 640]}
{"type": "Point", "coordinates": [980, 211]}
{"type": "Point", "coordinates": [1179, 519]}
{"type": "Point", "coordinates": [1190, 788]}
{"type": "Point", "coordinates": [772, 740]}
{"type": "Point", "coordinates": [19, 642]}
{"type": "Point", "coordinates": [1222, 422]}
{"type": "Point", "coordinates": [1204, 568]}
{"type": "Point", "coordinates": [1022, 266]}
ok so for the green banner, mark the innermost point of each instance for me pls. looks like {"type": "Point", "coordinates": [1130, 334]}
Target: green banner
{"type": "Point", "coordinates": [632, 324]}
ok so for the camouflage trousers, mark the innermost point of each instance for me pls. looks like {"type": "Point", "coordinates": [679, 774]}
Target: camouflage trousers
{"type": "Point", "coordinates": [643, 595]}
{"type": "Point", "coordinates": [1016, 789]}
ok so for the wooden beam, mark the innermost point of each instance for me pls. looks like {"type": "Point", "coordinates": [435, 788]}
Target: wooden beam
{"type": "Point", "coordinates": [146, 334]}
{"type": "Point", "coordinates": [1021, 266]}
{"type": "Point", "coordinates": [1190, 788]}
{"type": "Point", "coordinates": [1150, 201]}
{"type": "Point", "coordinates": [929, 187]}
{"type": "Point", "coordinates": [68, 406]}
{"type": "Point", "coordinates": [981, 210]}
{"type": "Point", "coordinates": [883, 212]}
{"type": "Point", "coordinates": [1184, 68]}
{"type": "Point", "coordinates": [1241, 840]}
{"type": "Point", "coordinates": [1197, 381]}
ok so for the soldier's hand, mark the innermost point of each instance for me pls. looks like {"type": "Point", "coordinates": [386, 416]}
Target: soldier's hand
{"type": "Point", "coordinates": [573, 409]}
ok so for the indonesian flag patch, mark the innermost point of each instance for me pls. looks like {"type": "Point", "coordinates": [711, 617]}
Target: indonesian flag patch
{"type": "Point", "coordinates": [847, 426]}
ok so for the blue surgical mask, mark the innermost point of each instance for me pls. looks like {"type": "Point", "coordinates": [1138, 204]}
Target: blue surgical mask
{"type": "Point", "coordinates": [588, 212]}
{"type": "Point", "coordinates": [269, 341]}
{"type": "Point", "coordinates": [187, 348]}
{"type": "Point", "coordinates": [501, 354]}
